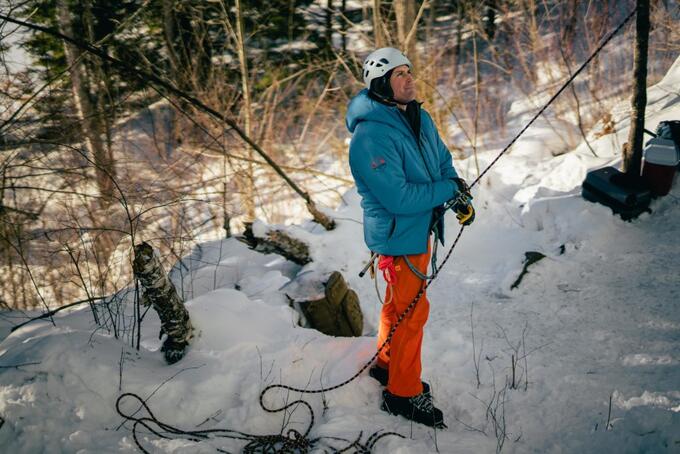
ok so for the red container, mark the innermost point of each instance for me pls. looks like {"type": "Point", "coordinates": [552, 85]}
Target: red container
{"type": "Point", "coordinates": [659, 161]}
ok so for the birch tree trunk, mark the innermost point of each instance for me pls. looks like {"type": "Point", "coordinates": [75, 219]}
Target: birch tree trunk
{"type": "Point", "coordinates": [632, 151]}
{"type": "Point", "coordinates": [343, 25]}
{"type": "Point", "coordinates": [405, 13]}
{"type": "Point", "coordinates": [102, 94]}
{"type": "Point", "coordinates": [247, 179]}
{"type": "Point", "coordinates": [378, 31]}
{"type": "Point", "coordinates": [162, 296]}
{"type": "Point", "coordinates": [91, 117]}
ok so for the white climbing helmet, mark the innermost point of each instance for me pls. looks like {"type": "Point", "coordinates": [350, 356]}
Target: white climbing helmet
{"type": "Point", "coordinates": [380, 61]}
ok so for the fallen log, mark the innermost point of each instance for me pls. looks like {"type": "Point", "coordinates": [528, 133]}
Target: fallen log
{"type": "Point", "coordinates": [277, 242]}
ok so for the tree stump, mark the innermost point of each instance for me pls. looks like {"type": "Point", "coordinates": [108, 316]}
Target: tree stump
{"type": "Point", "coordinates": [162, 295]}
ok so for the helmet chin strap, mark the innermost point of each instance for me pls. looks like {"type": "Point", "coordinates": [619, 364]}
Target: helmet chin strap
{"type": "Point", "coordinates": [391, 101]}
{"type": "Point", "coordinates": [383, 99]}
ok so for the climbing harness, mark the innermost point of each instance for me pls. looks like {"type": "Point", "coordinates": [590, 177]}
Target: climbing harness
{"type": "Point", "coordinates": [293, 441]}
{"type": "Point", "coordinates": [416, 271]}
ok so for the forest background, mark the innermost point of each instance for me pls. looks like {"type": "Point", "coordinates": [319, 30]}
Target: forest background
{"type": "Point", "coordinates": [94, 159]}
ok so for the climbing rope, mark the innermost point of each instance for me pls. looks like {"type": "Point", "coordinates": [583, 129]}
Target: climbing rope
{"type": "Point", "coordinates": [293, 441]}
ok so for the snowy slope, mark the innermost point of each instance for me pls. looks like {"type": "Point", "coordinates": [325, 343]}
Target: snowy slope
{"type": "Point", "coordinates": [598, 317]}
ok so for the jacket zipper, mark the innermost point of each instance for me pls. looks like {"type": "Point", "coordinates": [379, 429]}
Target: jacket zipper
{"type": "Point", "coordinates": [417, 139]}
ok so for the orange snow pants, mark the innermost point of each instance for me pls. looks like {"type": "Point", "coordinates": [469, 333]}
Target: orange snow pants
{"type": "Point", "coordinates": [402, 355]}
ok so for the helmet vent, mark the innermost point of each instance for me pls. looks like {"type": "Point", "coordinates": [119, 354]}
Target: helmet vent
{"type": "Point", "coordinates": [385, 61]}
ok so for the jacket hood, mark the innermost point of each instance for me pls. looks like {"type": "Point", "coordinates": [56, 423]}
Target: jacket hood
{"type": "Point", "coordinates": [363, 108]}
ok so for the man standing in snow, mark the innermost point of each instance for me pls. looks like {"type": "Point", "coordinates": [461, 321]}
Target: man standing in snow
{"type": "Point", "coordinates": [404, 174]}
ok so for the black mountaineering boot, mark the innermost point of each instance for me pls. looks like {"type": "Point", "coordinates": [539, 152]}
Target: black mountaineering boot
{"type": "Point", "coordinates": [418, 408]}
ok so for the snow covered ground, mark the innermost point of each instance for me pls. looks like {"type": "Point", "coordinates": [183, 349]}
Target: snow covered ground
{"type": "Point", "coordinates": [595, 321]}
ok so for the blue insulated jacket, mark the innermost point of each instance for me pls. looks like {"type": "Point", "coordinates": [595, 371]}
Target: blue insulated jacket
{"type": "Point", "coordinates": [400, 180]}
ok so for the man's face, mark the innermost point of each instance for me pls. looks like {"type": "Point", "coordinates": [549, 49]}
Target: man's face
{"type": "Point", "coordinates": [403, 85]}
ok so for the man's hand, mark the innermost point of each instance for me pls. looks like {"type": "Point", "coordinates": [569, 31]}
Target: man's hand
{"type": "Point", "coordinates": [463, 187]}
{"type": "Point", "coordinates": [462, 203]}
